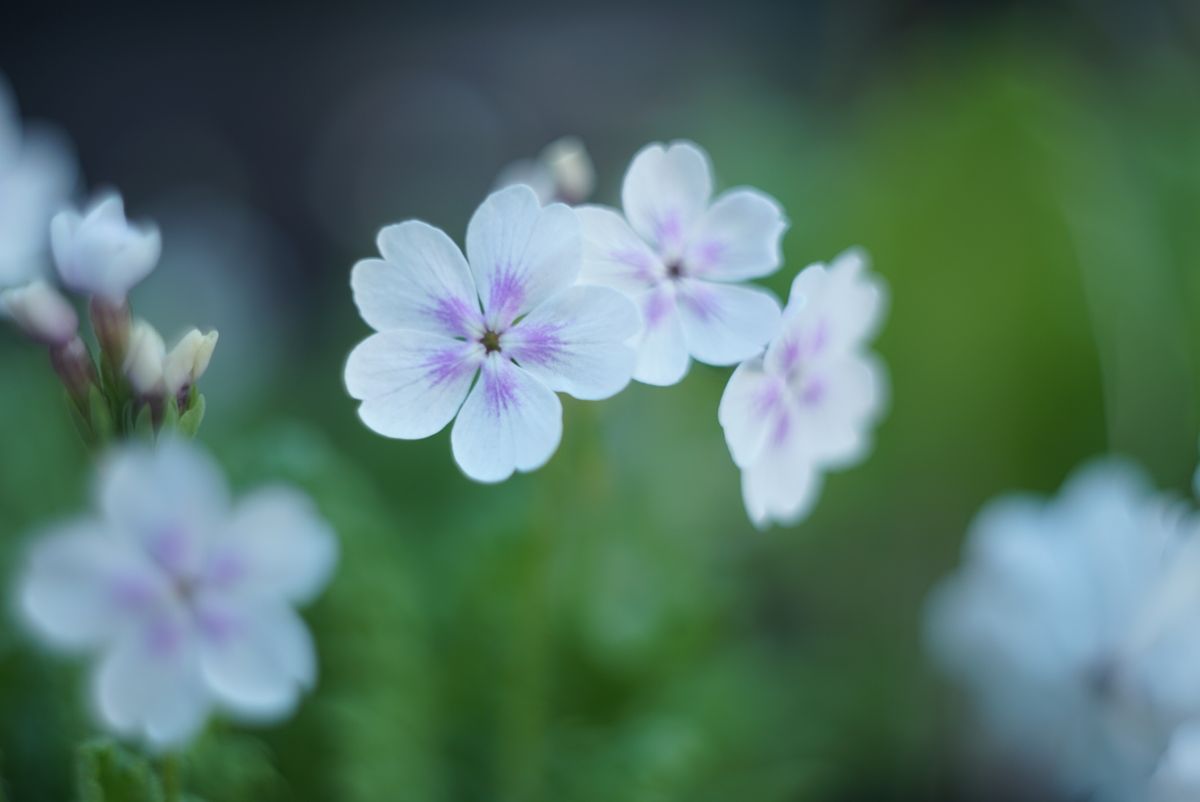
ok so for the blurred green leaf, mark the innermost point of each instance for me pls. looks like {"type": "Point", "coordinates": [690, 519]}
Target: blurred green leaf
{"type": "Point", "coordinates": [107, 772]}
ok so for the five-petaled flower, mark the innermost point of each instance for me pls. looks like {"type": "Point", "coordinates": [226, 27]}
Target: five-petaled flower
{"type": "Point", "coordinates": [186, 596]}
{"type": "Point", "coordinates": [807, 405]}
{"type": "Point", "coordinates": [681, 259]}
{"type": "Point", "coordinates": [510, 313]}
{"type": "Point", "coordinates": [100, 253]}
{"type": "Point", "coordinates": [1073, 626]}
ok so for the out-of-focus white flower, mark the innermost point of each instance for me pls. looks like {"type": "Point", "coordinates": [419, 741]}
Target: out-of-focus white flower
{"type": "Point", "coordinates": [145, 359]}
{"type": "Point", "coordinates": [41, 313]}
{"type": "Point", "coordinates": [37, 176]}
{"type": "Point", "coordinates": [100, 253]}
{"type": "Point", "coordinates": [1074, 625]}
{"type": "Point", "coordinates": [188, 360]}
{"type": "Point", "coordinates": [1178, 776]}
{"type": "Point", "coordinates": [682, 259]}
{"type": "Point", "coordinates": [153, 371]}
{"type": "Point", "coordinates": [185, 597]}
{"type": "Point", "coordinates": [808, 404]}
{"type": "Point", "coordinates": [563, 171]}
{"type": "Point", "coordinates": [513, 316]}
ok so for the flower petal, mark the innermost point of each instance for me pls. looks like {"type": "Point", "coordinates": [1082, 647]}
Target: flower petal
{"type": "Point", "coordinates": [662, 353]}
{"type": "Point", "coordinates": [411, 383]}
{"type": "Point", "coordinates": [510, 422]}
{"type": "Point", "coordinates": [148, 684]}
{"type": "Point", "coordinates": [422, 283]}
{"type": "Point", "coordinates": [751, 408]}
{"type": "Point", "coordinates": [277, 546]}
{"type": "Point", "coordinates": [168, 500]}
{"type": "Point", "coordinates": [574, 343]}
{"type": "Point", "coordinates": [521, 253]}
{"type": "Point", "coordinates": [82, 585]}
{"type": "Point", "coordinates": [836, 404]}
{"type": "Point", "coordinates": [255, 658]}
{"type": "Point", "coordinates": [738, 238]}
{"type": "Point", "coordinates": [613, 255]}
{"type": "Point", "coordinates": [666, 190]}
{"type": "Point", "coordinates": [725, 324]}
{"type": "Point", "coordinates": [781, 486]}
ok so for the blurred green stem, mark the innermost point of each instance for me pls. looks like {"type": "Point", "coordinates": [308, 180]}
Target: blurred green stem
{"type": "Point", "coordinates": [171, 780]}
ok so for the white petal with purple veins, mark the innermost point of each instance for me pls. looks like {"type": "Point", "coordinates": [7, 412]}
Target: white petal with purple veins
{"type": "Point", "coordinates": [615, 256]}
{"type": "Point", "coordinates": [411, 383]}
{"type": "Point", "coordinates": [831, 310]}
{"type": "Point", "coordinates": [575, 342]}
{"type": "Point", "coordinates": [662, 352]}
{"type": "Point", "coordinates": [169, 500]}
{"type": "Point", "coordinates": [836, 404]}
{"type": "Point", "coordinates": [521, 253]}
{"type": "Point", "coordinates": [422, 283]}
{"type": "Point", "coordinates": [666, 190]}
{"type": "Point", "coordinates": [738, 238]}
{"type": "Point", "coordinates": [83, 585]}
{"type": "Point", "coordinates": [781, 486]}
{"type": "Point", "coordinates": [276, 547]}
{"type": "Point", "coordinates": [148, 684]}
{"type": "Point", "coordinates": [751, 406]}
{"type": "Point", "coordinates": [723, 323]}
{"type": "Point", "coordinates": [256, 658]}
{"type": "Point", "coordinates": [510, 422]}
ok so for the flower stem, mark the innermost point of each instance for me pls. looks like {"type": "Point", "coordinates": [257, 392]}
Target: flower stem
{"type": "Point", "coordinates": [171, 778]}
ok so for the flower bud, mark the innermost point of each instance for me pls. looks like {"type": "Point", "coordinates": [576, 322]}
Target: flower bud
{"type": "Point", "coordinates": [569, 163]}
{"type": "Point", "coordinates": [110, 321]}
{"type": "Point", "coordinates": [74, 367]}
{"type": "Point", "coordinates": [188, 360]}
{"type": "Point", "coordinates": [100, 253]}
{"type": "Point", "coordinates": [145, 359]}
{"type": "Point", "coordinates": [41, 313]}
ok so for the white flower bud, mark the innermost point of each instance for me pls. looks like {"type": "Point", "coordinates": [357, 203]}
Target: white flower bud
{"type": "Point", "coordinates": [571, 166]}
{"type": "Point", "coordinates": [145, 359]}
{"type": "Point", "coordinates": [188, 360]}
{"type": "Point", "coordinates": [101, 253]}
{"type": "Point", "coordinates": [41, 313]}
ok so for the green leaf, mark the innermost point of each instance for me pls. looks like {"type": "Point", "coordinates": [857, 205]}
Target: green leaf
{"type": "Point", "coordinates": [190, 422]}
{"type": "Point", "coordinates": [102, 421]}
{"type": "Point", "coordinates": [143, 427]}
{"type": "Point", "coordinates": [106, 772]}
{"type": "Point", "coordinates": [170, 415]}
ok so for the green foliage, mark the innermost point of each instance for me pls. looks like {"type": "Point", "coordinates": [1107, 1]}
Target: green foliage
{"type": "Point", "coordinates": [107, 772]}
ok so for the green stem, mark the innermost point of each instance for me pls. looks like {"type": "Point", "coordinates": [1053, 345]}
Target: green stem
{"type": "Point", "coordinates": [171, 778]}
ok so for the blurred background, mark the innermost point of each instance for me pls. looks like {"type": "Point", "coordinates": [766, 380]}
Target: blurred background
{"type": "Point", "coordinates": [1025, 175]}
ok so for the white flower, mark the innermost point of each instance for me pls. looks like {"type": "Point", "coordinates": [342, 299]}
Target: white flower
{"type": "Point", "coordinates": [185, 597]}
{"type": "Point", "coordinates": [188, 360]}
{"type": "Point", "coordinates": [1178, 776]}
{"type": "Point", "coordinates": [37, 175]}
{"type": "Point", "coordinates": [681, 259]}
{"type": "Point", "coordinates": [563, 171]}
{"type": "Point", "coordinates": [41, 313]}
{"type": "Point", "coordinates": [1074, 624]}
{"type": "Point", "coordinates": [512, 316]}
{"type": "Point", "coordinates": [100, 253]}
{"type": "Point", "coordinates": [807, 405]}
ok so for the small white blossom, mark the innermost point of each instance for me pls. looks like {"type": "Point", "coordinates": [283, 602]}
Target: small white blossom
{"type": "Point", "coordinates": [100, 253]}
{"type": "Point", "coordinates": [563, 171]}
{"type": "Point", "coordinates": [188, 360]}
{"type": "Point", "coordinates": [682, 259]}
{"type": "Point", "coordinates": [37, 176]}
{"type": "Point", "coordinates": [185, 597]}
{"type": "Point", "coordinates": [145, 359]}
{"type": "Point", "coordinates": [1074, 625]}
{"type": "Point", "coordinates": [41, 313]}
{"type": "Point", "coordinates": [808, 404]}
{"type": "Point", "coordinates": [509, 312]}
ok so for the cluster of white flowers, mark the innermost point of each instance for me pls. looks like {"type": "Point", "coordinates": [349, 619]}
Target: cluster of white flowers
{"type": "Point", "coordinates": [1075, 626]}
{"type": "Point", "coordinates": [581, 300]}
{"type": "Point", "coordinates": [185, 597]}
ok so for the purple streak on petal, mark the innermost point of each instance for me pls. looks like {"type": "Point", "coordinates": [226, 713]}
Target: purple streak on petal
{"type": "Point", "coordinates": [819, 338]}
{"type": "Point", "coordinates": [767, 399]}
{"type": "Point", "coordinates": [224, 570]}
{"type": "Point", "coordinates": [455, 314]}
{"type": "Point", "coordinates": [170, 548]}
{"type": "Point", "coordinates": [707, 255]}
{"type": "Point", "coordinates": [540, 343]}
{"type": "Point", "coordinates": [656, 309]}
{"type": "Point", "coordinates": [782, 428]}
{"type": "Point", "coordinates": [132, 593]}
{"type": "Point", "coordinates": [642, 263]}
{"type": "Point", "coordinates": [506, 295]}
{"type": "Point", "coordinates": [791, 354]}
{"type": "Point", "coordinates": [702, 303]}
{"type": "Point", "coordinates": [815, 391]}
{"type": "Point", "coordinates": [216, 625]}
{"type": "Point", "coordinates": [500, 391]}
{"type": "Point", "coordinates": [163, 637]}
{"type": "Point", "coordinates": [447, 365]}
{"type": "Point", "coordinates": [668, 231]}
